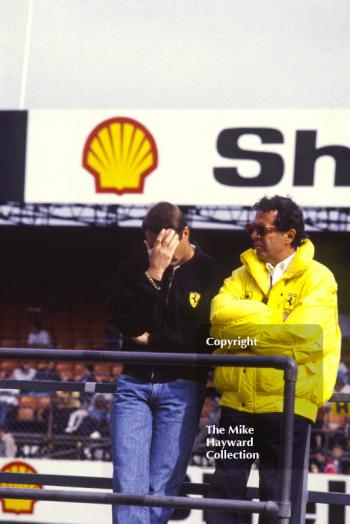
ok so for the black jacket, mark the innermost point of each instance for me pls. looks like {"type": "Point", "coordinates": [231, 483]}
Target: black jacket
{"type": "Point", "coordinates": [176, 316]}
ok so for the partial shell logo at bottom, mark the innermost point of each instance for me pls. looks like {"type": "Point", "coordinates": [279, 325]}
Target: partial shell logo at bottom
{"type": "Point", "coordinates": [16, 505]}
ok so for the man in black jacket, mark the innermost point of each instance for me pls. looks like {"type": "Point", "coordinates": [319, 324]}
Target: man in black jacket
{"type": "Point", "coordinates": [163, 298]}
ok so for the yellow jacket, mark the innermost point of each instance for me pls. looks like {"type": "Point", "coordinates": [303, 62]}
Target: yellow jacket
{"type": "Point", "coordinates": [297, 317]}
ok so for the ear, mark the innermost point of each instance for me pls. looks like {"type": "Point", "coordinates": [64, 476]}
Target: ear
{"type": "Point", "coordinates": [291, 235]}
{"type": "Point", "coordinates": [186, 233]}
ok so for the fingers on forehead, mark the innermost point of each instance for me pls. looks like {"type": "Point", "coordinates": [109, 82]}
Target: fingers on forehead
{"type": "Point", "coordinates": [172, 237]}
{"type": "Point", "coordinates": [161, 234]}
{"type": "Point", "coordinates": [170, 234]}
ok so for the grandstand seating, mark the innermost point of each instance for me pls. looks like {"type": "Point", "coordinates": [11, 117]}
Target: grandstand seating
{"type": "Point", "coordinates": [73, 317]}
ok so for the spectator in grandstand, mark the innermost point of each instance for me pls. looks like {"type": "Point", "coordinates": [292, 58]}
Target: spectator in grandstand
{"type": "Point", "coordinates": [8, 446]}
{"type": "Point", "coordinates": [94, 413]}
{"type": "Point", "coordinates": [163, 295]}
{"type": "Point", "coordinates": [337, 417]}
{"type": "Point", "coordinates": [99, 413]}
{"type": "Point", "coordinates": [81, 373]}
{"type": "Point", "coordinates": [38, 336]}
{"type": "Point", "coordinates": [75, 419]}
{"type": "Point", "coordinates": [318, 460]}
{"type": "Point", "coordinates": [286, 302]}
{"type": "Point", "coordinates": [46, 371]}
{"type": "Point", "coordinates": [91, 417]}
{"type": "Point", "coordinates": [24, 372]}
{"type": "Point", "coordinates": [334, 463]}
{"type": "Point", "coordinates": [8, 401]}
{"type": "Point", "coordinates": [66, 402]}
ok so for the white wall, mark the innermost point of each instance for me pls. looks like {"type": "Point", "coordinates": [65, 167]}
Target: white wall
{"type": "Point", "coordinates": [174, 54]}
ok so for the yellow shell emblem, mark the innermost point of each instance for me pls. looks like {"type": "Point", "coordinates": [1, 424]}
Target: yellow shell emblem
{"type": "Point", "coordinates": [18, 506]}
{"type": "Point", "coordinates": [194, 298]}
{"type": "Point", "coordinates": [120, 153]}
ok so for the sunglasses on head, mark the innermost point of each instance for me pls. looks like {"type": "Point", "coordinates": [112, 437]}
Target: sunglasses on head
{"type": "Point", "coordinates": [259, 228]}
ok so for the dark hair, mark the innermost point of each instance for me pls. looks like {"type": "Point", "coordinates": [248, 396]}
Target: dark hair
{"type": "Point", "coordinates": [164, 215]}
{"type": "Point", "coordinates": [289, 215]}
{"type": "Point", "coordinates": [319, 449]}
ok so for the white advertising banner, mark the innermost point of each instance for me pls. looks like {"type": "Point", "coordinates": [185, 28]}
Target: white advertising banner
{"type": "Point", "coordinates": [74, 513]}
{"type": "Point", "coordinates": [203, 157]}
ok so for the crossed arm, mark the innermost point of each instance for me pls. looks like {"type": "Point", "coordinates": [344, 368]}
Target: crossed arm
{"type": "Point", "coordinates": [300, 334]}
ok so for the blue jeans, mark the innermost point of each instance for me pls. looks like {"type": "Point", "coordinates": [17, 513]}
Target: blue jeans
{"type": "Point", "coordinates": [153, 429]}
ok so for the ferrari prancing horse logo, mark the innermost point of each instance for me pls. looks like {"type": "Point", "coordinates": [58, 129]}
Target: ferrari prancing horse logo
{"type": "Point", "coordinates": [290, 302]}
{"type": "Point", "coordinates": [194, 298]}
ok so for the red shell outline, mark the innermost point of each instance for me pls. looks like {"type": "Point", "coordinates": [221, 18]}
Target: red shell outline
{"type": "Point", "coordinates": [93, 134]}
{"type": "Point", "coordinates": [4, 469]}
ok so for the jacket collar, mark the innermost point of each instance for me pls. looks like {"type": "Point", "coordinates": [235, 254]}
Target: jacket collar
{"type": "Point", "coordinates": [300, 263]}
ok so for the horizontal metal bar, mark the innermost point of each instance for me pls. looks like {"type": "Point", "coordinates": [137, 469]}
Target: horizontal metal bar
{"type": "Point", "coordinates": [188, 488]}
{"type": "Point", "coordinates": [97, 387]}
{"type": "Point", "coordinates": [92, 497]}
{"type": "Point", "coordinates": [57, 385]}
{"type": "Point", "coordinates": [67, 481]}
{"type": "Point", "coordinates": [74, 481]}
{"type": "Point", "coordinates": [137, 357]}
{"type": "Point", "coordinates": [320, 497]}
{"type": "Point", "coordinates": [68, 440]}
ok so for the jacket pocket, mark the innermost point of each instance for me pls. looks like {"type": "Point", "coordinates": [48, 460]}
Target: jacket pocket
{"type": "Point", "coordinates": [227, 379]}
{"type": "Point", "coordinates": [310, 382]}
{"type": "Point", "coordinates": [269, 381]}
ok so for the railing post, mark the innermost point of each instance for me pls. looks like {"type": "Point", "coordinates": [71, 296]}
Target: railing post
{"type": "Point", "coordinates": [290, 377]}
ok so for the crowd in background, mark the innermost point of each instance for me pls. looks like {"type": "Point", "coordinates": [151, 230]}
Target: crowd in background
{"type": "Point", "coordinates": [330, 442]}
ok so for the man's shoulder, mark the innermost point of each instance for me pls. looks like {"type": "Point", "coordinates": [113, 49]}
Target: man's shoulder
{"type": "Point", "coordinates": [206, 265]}
{"type": "Point", "coordinates": [206, 270]}
{"type": "Point", "coordinates": [241, 272]}
{"type": "Point", "coordinates": [134, 263]}
{"type": "Point", "coordinates": [130, 270]}
{"type": "Point", "coordinates": [203, 259]}
{"type": "Point", "coordinates": [318, 271]}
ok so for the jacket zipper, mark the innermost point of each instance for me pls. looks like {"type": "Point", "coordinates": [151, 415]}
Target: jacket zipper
{"type": "Point", "coordinates": [170, 280]}
{"type": "Point", "coordinates": [170, 283]}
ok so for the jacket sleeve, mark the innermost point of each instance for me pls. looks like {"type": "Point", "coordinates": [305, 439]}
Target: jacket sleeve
{"type": "Point", "coordinates": [232, 315]}
{"type": "Point", "coordinates": [309, 329]}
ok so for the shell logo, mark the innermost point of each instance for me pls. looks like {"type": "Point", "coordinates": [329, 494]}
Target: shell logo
{"type": "Point", "coordinates": [15, 505]}
{"type": "Point", "coordinates": [120, 153]}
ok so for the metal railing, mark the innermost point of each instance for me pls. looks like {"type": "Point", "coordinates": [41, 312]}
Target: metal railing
{"type": "Point", "coordinates": [280, 508]}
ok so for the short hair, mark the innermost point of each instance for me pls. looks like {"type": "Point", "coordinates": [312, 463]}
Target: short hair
{"type": "Point", "coordinates": [164, 216]}
{"type": "Point", "coordinates": [289, 215]}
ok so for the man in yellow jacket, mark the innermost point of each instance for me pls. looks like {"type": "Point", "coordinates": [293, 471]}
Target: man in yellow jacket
{"type": "Point", "coordinates": [279, 302]}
